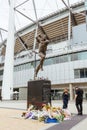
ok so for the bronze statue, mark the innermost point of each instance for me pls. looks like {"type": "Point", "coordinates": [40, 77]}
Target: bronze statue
{"type": "Point", "coordinates": [43, 42]}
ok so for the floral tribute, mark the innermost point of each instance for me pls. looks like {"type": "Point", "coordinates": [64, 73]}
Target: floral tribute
{"type": "Point", "coordinates": [47, 113]}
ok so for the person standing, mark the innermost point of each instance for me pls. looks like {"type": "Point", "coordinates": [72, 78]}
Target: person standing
{"type": "Point", "coordinates": [79, 100]}
{"type": "Point", "coordinates": [65, 98]}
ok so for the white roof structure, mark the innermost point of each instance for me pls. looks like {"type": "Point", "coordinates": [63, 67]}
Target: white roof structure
{"type": "Point", "coordinates": [27, 11]}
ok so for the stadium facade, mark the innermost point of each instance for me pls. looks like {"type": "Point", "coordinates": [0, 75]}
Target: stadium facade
{"type": "Point", "coordinates": [66, 60]}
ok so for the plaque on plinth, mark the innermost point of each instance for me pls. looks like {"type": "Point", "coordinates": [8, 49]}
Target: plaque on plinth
{"type": "Point", "coordinates": [39, 92]}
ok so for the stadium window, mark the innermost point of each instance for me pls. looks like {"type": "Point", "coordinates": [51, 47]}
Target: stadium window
{"type": "Point", "coordinates": [15, 68]}
{"type": "Point", "coordinates": [48, 61]}
{"type": "Point", "coordinates": [32, 64]}
{"type": "Point", "coordinates": [63, 58]}
{"type": "Point", "coordinates": [37, 62]}
{"type": "Point", "coordinates": [26, 66]}
{"type": "Point", "coordinates": [82, 55]}
{"type": "Point", "coordinates": [57, 60]}
{"type": "Point", "coordinates": [0, 83]}
{"type": "Point", "coordinates": [85, 72]}
{"type": "Point", "coordinates": [76, 73]}
{"type": "Point", "coordinates": [82, 74]}
{"type": "Point", "coordinates": [74, 56]}
{"type": "Point", "coordinates": [21, 67]}
{"type": "Point", "coordinates": [1, 72]}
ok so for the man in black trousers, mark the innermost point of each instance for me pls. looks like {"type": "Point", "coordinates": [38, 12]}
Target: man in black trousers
{"type": "Point", "coordinates": [79, 100]}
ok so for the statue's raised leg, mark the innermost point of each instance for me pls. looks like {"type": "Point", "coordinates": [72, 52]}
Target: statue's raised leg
{"type": "Point", "coordinates": [37, 69]}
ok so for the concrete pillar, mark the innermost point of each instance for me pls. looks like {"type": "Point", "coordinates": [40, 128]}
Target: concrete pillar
{"type": "Point", "coordinates": [7, 86]}
{"type": "Point", "coordinates": [71, 91]}
{"type": "Point", "coordinates": [69, 29]}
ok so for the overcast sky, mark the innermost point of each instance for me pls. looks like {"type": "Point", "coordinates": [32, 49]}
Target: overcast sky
{"type": "Point", "coordinates": [43, 8]}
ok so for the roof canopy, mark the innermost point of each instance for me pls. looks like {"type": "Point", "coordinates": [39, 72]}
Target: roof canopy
{"type": "Point", "coordinates": [27, 11]}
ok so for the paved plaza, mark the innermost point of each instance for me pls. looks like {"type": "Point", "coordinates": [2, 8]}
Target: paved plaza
{"type": "Point", "coordinates": [10, 116]}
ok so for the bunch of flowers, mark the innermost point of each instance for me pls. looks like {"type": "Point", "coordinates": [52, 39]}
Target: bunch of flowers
{"type": "Point", "coordinates": [47, 113]}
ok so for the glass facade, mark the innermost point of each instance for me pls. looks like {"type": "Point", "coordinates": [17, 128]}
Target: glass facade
{"type": "Point", "coordinates": [56, 60]}
{"type": "Point", "coordinates": [24, 66]}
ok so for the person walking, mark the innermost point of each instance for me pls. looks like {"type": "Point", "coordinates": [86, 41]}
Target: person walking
{"type": "Point", "coordinates": [79, 100]}
{"type": "Point", "coordinates": [65, 98]}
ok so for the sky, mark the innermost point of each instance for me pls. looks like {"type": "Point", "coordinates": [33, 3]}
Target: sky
{"type": "Point", "coordinates": [43, 8]}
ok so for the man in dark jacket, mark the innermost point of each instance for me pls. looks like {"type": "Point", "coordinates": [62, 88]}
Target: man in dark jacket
{"type": "Point", "coordinates": [79, 100]}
